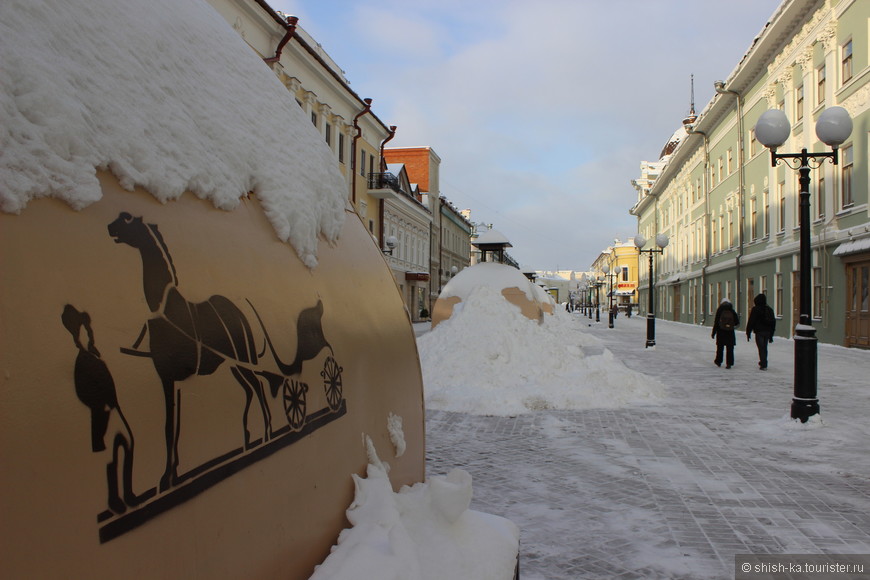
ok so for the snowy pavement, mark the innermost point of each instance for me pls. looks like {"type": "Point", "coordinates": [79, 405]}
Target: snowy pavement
{"type": "Point", "coordinates": [675, 487]}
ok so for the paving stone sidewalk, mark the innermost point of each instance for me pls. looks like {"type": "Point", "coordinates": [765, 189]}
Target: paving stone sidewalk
{"type": "Point", "coordinates": [673, 489]}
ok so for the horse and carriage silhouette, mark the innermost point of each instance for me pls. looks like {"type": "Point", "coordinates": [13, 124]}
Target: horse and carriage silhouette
{"type": "Point", "coordinates": [195, 338]}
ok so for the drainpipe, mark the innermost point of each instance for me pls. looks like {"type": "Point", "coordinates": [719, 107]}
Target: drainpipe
{"type": "Point", "coordinates": [720, 88]}
{"type": "Point", "coordinates": [290, 29]}
{"type": "Point", "coordinates": [383, 166]}
{"type": "Point", "coordinates": [705, 307]}
{"type": "Point", "coordinates": [353, 159]}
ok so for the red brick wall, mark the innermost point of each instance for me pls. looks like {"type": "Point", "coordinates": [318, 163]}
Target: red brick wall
{"type": "Point", "coordinates": [416, 160]}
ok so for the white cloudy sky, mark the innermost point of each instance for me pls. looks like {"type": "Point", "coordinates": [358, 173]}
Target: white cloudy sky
{"type": "Point", "coordinates": [541, 110]}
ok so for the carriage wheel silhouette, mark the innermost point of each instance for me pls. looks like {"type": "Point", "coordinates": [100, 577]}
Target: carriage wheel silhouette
{"type": "Point", "coordinates": [331, 374]}
{"type": "Point", "coordinates": [294, 403]}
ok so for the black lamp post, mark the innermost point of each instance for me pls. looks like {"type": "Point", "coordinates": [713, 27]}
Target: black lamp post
{"type": "Point", "coordinates": [598, 283]}
{"type": "Point", "coordinates": [589, 298]}
{"type": "Point", "coordinates": [610, 276]}
{"type": "Point", "coordinates": [661, 242]}
{"type": "Point", "coordinates": [833, 128]}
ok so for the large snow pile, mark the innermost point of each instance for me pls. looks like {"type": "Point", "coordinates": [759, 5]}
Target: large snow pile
{"type": "Point", "coordinates": [489, 359]}
{"type": "Point", "coordinates": [491, 274]}
{"type": "Point", "coordinates": [166, 96]}
{"type": "Point", "coordinates": [424, 532]}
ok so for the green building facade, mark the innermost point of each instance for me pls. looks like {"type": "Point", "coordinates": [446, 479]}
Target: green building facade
{"type": "Point", "coordinates": [732, 218]}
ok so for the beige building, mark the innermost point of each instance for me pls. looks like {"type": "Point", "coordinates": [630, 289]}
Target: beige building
{"type": "Point", "coordinates": [344, 119]}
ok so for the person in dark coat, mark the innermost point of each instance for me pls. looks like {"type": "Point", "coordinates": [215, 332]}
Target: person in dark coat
{"type": "Point", "coordinates": [762, 321]}
{"type": "Point", "coordinates": [723, 331]}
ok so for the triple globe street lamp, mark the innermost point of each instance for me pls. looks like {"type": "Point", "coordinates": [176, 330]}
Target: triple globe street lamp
{"type": "Point", "coordinates": [661, 242]}
{"type": "Point", "coordinates": [772, 130]}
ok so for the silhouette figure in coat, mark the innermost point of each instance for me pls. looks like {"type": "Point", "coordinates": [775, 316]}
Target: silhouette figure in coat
{"type": "Point", "coordinates": [188, 338]}
{"type": "Point", "coordinates": [725, 338]}
{"type": "Point", "coordinates": [96, 389]}
{"type": "Point", "coordinates": [762, 321]}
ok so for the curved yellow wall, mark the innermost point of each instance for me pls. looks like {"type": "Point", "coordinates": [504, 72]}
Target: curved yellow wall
{"type": "Point", "coordinates": [86, 489]}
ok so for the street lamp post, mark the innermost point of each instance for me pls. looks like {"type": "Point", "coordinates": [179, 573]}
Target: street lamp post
{"type": "Point", "coordinates": [610, 275]}
{"type": "Point", "coordinates": [833, 128]}
{"type": "Point", "coordinates": [661, 242]}
{"type": "Point", "coordinates": [598, 283]}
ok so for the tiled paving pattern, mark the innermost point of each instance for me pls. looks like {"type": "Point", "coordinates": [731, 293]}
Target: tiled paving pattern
{"type": "Point", "coordinates": [672, 490]}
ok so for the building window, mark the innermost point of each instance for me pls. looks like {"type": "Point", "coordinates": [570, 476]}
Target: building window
{"type": "Point", "coordinates": [719, 172]}
{"type": "Point", "coordinates": [625, 274]}
{"type": "Point", "coordinates": [820, 194]}
{"type": "Point", "coordinates": [362, 163]}
{"type": "Point", "coordinates": [778, 305]}
{"type": "Point", "coordinates": [799, 103]}
{"type": "Point", "coordinates": [753, 212]}
{"type": "Point", "coordinates": [328, 133]}
{"type": "Point", "coordinates": [371, 164]}
{"type": "Point", "coordinates": [817, 292]}
{"type": "Point", "coordinates": [820, 85]}
{"type": "Point", "coordinates": [763, 282]}
{"type": "Point", "coordinates": [731, 243]}
{"type": "Point", "coordinates": [846, 160]}
{"type": "Point", "coordinates": [753, 143]}
{"type": "Point", "coordinates": [730, 161]}
{"type": "Point", "coordinates": [847, 62]}
{"type": "Point", "coordinates": [766, 216]}
{"type": "Point", "coordinates": [341, 147]}
{"type": "Point", "coordinates": [722, 233]}
{"type": "Point", "coordinates": [313, 118]}
{"type": "Point", "coordinates": [780, 187]}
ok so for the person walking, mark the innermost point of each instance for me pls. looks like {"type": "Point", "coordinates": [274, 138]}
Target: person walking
{"type": "Point", "coordinates": [723, 331]}
{"type": "Point", "coordinates": [762, 321]}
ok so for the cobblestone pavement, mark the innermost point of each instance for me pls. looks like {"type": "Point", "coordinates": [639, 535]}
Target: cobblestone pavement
{"type": "Point", "coordinates": [674, 489]}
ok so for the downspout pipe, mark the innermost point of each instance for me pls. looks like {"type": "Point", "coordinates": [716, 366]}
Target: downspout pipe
{"type": "Point", "coordinates": [389, 138]}
{"type": "Point", "coordinates": [353, 156]}
{"type": "Point", "coordinates": [383, 166]}
{"type": "Point", "coordinates": [290, 30]}
{"type": "Point", "coordinates": [705, 307]}
{"type": "Point", "coordinates": [720, 89]}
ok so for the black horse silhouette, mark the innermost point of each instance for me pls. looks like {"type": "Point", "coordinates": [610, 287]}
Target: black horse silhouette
{"type": "Point", "coordinates": [96, 389]}
{"type": "Point", "coordinates": [188, 338]}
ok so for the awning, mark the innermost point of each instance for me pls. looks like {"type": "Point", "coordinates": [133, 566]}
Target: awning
{"type": "Point", "coordinates": [853, 247]}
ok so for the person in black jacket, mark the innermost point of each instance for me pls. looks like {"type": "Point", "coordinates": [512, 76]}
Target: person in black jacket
{"type": "Point", "coordinates": [723, 331]}
{"type": "Point", "coordinates": [762, 321]}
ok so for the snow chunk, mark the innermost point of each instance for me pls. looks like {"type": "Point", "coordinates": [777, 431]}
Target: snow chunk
{"type": "Point", "coordinates": [166, 96]}
{"type": "Point", "coordinates": [424, 532]}
{"type": "Point", "coordinates": [397, 434]}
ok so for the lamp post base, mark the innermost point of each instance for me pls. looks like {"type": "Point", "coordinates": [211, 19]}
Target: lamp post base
{"type": "Point", "coordinates": [650, 330]}
{"type": "Point", "coordinates": [805, 403]}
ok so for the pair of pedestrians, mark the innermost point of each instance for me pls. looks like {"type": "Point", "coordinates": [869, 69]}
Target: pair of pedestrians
{"type": "Point", "coordinates": [761, 320]}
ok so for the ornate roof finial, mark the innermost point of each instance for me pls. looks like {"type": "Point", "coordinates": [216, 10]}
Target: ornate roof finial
{"type": "Point", "coordinates": [692, 117]}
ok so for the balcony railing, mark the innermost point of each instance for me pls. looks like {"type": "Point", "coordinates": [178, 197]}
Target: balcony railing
{"type": "Point", "coordinates": [384, 181]}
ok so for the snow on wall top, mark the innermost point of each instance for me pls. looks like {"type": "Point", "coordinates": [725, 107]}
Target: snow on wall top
{"type": "Point", "coordinates": [166, 96]}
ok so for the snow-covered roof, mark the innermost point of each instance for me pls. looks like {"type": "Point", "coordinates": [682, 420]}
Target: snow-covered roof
{"type": "Point", "coordinates": [673, 142]}
{"type": "Point", "coordinates": [853, 247]}
{"type": "Point", "coordinates": [168, 98]}
{"type": "Point", "coordinates": [492, 237]}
